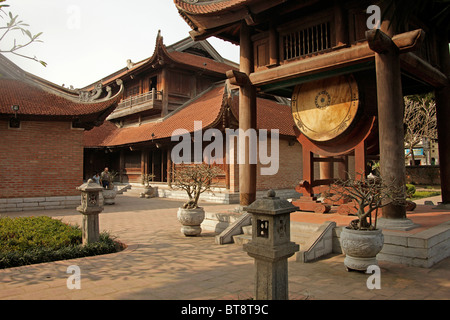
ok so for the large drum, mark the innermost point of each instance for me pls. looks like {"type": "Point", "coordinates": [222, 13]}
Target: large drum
{"type": "Point", "coordinates": [325, 109]}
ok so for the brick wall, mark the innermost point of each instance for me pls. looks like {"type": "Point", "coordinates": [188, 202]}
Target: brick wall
{"type": "Point", "coordinates": [289, 171]}
{"type": "Point", "coordinates": [40, 159]}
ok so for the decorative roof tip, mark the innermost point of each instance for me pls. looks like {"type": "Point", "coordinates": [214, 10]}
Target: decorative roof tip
{"type": "Point", "coordinates": [94, 95]}
{"type": "Point", "coordinates": [130, 64]}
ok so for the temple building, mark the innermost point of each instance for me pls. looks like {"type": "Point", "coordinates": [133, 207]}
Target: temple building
{"type": "Point", "coordinates": [184, 87]}
{"type": "Point", "coordinates": [346, 82]}
{"type": "Point", "coordinates": [42, 126]}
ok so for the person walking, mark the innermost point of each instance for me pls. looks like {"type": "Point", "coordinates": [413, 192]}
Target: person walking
{"type": "Point", "coordinates": [105, 176]}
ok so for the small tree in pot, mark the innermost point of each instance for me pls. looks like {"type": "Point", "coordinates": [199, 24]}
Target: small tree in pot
{"type": "Point", "coordinates": [109, 193]}
{"type": "Point", "coordinates": [149, 191]}
{"type": "Point", "coordinates": [361, 241]}
{"type": "Point", "coordinates": [195, 180]}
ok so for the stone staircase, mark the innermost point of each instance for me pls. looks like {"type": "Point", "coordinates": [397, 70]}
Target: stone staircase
{"type": "Point", "coordinates": [315, 240]}
{"type": "Point", "coordinates": [121, 188]}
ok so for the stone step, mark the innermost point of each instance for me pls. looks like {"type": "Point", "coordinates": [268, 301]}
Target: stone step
{"type": "Point", "coordinates": [217, 222]}
{"type": "Point", "coordinates": [242, 239]}
{"type": "Point", "coordinates": [247, 230]}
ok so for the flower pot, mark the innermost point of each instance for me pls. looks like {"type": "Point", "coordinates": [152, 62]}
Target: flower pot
{"type": "Point", "coordinates": [361, 247]}
{"type": "Point", "coordinates": [109, 196]}
{"type": "Point", "coordinates": [191, 220]}
{"type": "Point", "coordinates": [149, 192]}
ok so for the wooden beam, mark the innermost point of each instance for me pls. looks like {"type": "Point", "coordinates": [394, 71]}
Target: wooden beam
{"type": "Point", "coordinates": [379, 42]}
{"type": "Point", "coordinates": [238, 78]}
{"type": "Point", "coordinates": [422, 70]}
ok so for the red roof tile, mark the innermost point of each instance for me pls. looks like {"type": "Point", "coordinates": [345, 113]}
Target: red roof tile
{"type": "Point", "coordinates": [204, 7]}
{"type": "Point", "coordinates": [36, 101]}
{"type": "Point", "coordinates": [206, 108]}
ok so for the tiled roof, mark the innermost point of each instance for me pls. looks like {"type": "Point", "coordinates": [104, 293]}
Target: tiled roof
{"type": "Point", "coordinates": [34, 100]}
{"type": "Point", "coordinates": [97, 135]}
{"type": "Point", "coordinates": [204, 7]}
{"type": "Point", "coordinates": [182, 58]}
{"type": "Point", "coordinates": [270, 115]}
{"type": "Point", "coordinates": [207, 108]}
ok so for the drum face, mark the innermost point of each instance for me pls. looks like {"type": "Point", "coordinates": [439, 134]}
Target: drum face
{"type": "Point", "coordinates": [325, 109]}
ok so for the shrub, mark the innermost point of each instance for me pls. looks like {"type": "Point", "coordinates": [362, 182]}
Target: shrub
{"type": "Point", "coordinates": [31, 240]}
{"type": "Point", "coordinates": [410, 190]}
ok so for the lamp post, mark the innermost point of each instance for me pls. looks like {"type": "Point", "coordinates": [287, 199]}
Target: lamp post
{"type": "Point", "coordinates": [14, 122]}
{"type": "Point", "coordinates": [90, 208]}
{"type": "Point", "coordinates": [271, 246]}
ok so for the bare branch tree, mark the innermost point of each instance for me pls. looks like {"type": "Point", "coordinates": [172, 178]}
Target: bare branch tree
{"type": "Point", "coordinates": [420, 121]}
{"type": "Point", "coordinates": [194, 179]}
{"type": "Point", "coordinates": [8, 34]}
{"type": "Point", "coordinates": [367, 195]}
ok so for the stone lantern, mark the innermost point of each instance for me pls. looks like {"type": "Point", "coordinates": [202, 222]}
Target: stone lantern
{"type": "Point", "coordinates": [271, 246]}
{"type": "Point", "coordinates": [90, 208]}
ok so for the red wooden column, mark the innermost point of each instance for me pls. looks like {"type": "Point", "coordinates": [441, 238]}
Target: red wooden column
{"type": "Point", "coordinates": [247, 118]}
{"type": "Point", "coordinates": [390, 123]}
{"type": "Point", "coordinates": [443, 117]}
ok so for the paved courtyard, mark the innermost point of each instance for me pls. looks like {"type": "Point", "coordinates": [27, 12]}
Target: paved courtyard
{"type": "Point", "coordinates": [162, 264]}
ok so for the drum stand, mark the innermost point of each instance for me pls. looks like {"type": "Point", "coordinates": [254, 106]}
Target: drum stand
{"type": "Point", "coordinates": [310, 187]}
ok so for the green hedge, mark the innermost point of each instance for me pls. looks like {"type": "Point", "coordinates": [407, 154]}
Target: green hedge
{"type": "Point", "coordinates": [31, 240]}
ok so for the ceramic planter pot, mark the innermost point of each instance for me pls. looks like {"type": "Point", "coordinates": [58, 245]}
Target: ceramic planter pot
{"type": "Point", "coordinates": [109, 196]}
{"type": "Point", "coordinates": [149, 192]}
{"type": "Point", "coordinates": [191, 220]}
{"type": "Point", "coordinates": [361, 247]}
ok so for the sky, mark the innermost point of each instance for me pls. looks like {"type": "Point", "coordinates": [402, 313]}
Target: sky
{"type": "Point", "coordinates": [86, 40]}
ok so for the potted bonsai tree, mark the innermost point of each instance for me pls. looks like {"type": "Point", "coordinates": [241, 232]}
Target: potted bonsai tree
{"type": "Point", "coordinates": [109, 193]}
{"type": "Point", "coordinates": [195, 180]}
{"type": "Point", "coordinates": [149, 191]}
{"type": "Point", "coordinates": [361, 241]}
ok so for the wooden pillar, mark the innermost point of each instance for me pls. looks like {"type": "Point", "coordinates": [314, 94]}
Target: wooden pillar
{"type": "Point", "coordinates": [443, 116]}
{"type": "Point", "coordinates": [390, 123]}
{"type": "Point", "coordinates": [343, 168]}
{"type": "Point", "coordinates": [247, 118]}
{"type": "Point", "coordinates": [165, 92]}
{"type": "Point", "coordinates": [121, 165]}
{"type": "Point", "coordinates": [273, 45]}
{"type": "Point", "coordinates": [340, 21]}
{"type": "Point", "coordinates": [326, 169]}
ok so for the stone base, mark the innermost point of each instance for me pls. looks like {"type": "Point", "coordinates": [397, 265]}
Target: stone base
{"type": "Point", "coordinates": [396, 224]}
{"type": "Point", "coordinates": [191, 231]}
{"type": "Point", "coordinates": [359, 264]}
{"type": "Point", "coordinates": [442, 206]}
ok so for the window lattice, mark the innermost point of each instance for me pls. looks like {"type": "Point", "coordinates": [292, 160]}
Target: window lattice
{"type": "Point", "coordinates": [306, 41]}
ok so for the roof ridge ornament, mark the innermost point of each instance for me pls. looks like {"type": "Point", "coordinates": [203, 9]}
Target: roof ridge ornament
{"type": "Point", "coordinates": [94, 95]}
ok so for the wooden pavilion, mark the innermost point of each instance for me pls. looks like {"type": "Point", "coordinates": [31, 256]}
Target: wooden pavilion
{"type": "Point", "coordinates": [346, 82]}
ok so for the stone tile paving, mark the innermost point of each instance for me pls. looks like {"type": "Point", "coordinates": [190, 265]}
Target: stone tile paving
{"type": "Point", "coordinates": [162, 264]}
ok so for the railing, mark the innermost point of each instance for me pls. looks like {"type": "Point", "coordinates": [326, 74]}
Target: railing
{"type": "Point", "coordinates": [306, 41]}
{"type": "Point", "coordinates": [139, 99]}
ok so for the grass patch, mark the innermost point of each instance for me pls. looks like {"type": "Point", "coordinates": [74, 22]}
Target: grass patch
{"type": "Point", "coordinates": [424, 194]}
{"type": "Point", "coordinates": [30, 240]}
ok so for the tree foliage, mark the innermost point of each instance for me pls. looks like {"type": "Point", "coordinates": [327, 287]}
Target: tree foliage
{"type": "Point", "coordinates": [8, 33]}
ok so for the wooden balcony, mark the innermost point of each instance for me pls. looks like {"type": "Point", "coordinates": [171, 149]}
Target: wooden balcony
{"type": "Point", "coordinates": [136, 104]}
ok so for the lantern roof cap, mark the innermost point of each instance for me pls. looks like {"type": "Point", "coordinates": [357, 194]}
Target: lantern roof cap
{"type": "Point", "coordinates": [90, 185]}
{"type": "Point", "coordinates": [271, 205]}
